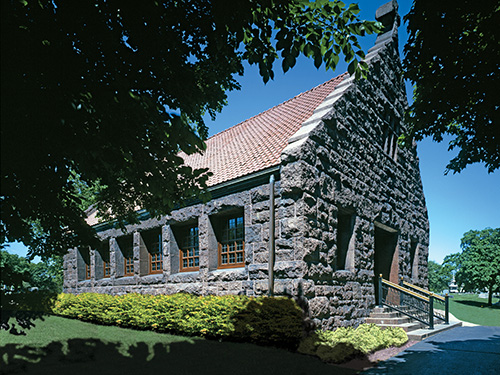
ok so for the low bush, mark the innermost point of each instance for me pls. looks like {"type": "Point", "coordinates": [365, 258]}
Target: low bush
{"type": "Point", "coordinates": [261, 320]}
{"type": "Point", "coordinates": [346, 342]}
{"type": "Point", "coordinates": [269, 321]}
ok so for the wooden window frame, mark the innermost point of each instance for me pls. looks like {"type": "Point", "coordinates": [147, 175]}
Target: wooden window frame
{"type": "Point", "coordinates": [236, 241]}
{"type": "Point", "coordinates": [105, 255]}
{"type": "Point", "coordinates": [106, 265]}
{"type": "Point", "coordinates": [155, 259]}
{"type": "Point", "coordinates": [87, 271]}
{"type": "Point", "coordinates": [190, 244]}
{"type": "Point", "coordinates": [128, 265]}
{"type": "Point", "coordinates": [85, 256]}
{"type": "Point", "coordinates": [126, 246]}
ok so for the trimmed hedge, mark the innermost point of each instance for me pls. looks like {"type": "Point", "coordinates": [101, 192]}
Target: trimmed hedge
{"type": "Point", "coordinates": [344, 343]}
{"type": "Point", "coordinates": [262, 320]}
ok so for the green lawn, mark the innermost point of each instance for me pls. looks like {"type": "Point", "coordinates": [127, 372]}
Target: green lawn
{"type": "Point", "coordinates": [470, 308]}
{"type": "Point", "coordinates": [57, 329]}
{"type": "Point", "coordinates": [59, 345]}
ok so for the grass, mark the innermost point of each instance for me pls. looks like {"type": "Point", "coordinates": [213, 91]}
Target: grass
{"type": "Point", "coordinates": [56, 329]}
{"type": "Point", "coordinates": [470, 308]}
{"type": "Point", "coordinates": [60, 345]}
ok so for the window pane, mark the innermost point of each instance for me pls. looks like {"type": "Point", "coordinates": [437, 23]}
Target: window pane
{"type": "Point", "coordinates": [232, 244]}
{"type": "Point", "coordinates": [190, 249]}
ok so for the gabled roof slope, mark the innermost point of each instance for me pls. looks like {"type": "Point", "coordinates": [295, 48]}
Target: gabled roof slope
{"type": "Point", "coordinates": [256, 144]}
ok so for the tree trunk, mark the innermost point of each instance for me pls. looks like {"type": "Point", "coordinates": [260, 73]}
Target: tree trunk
{"type": "Point", "coordinates": [490, 295]}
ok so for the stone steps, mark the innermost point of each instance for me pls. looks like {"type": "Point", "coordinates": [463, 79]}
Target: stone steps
{"type": "Point", "coordinates": [407, 327]}
{"type": "Point", "coordinates": [385, 317]}
{"type": "Point", "coordinates": [388, 320]}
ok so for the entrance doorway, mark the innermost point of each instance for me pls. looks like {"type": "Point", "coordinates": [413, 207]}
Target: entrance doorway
{"type": "Point", "coordinates": [386, 260]}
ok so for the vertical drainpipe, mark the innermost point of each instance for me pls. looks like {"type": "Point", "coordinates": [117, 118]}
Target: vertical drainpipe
{"type": "Point", "coordinates": [271, 235]}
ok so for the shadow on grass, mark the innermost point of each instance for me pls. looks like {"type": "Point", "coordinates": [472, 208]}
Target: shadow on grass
{"type": "Point", "coordinates": [478, 304]}
{"type": "Point", "coordinates": [460, 351]}
{"type": "Point", "coordinates": [78, 356]}
{"type": "Point", "coordinates": [19, 310]}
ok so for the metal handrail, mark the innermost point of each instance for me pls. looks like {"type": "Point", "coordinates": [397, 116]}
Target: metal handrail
{"type": "Point", "coordinates": [405, 290]}
{"type": "Point", "coordinates": [444, 299]}
{"type": "Point", "coordinates": [422, 290]}
{"type": "Point", "coordinates": [420, 294]}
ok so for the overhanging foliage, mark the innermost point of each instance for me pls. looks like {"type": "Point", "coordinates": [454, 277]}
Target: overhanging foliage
{"type": "Point", "coordinates": [113, 91]}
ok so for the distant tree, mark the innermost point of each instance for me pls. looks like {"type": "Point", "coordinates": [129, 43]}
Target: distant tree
{"type": "Point", "coordinates": [453, 58]}
{"type": "Point", "coordinates": [439, 277]}
{"type": "Point", "coordinates": [26, 289]}
{"type": "Point", "coordinates": [480, 259]}
{"type": "Point", "coordinates": [19, 273]}
{"type": "Point", "coordinates": [451, 265]}
{"type": "Point", "coordinates": [105, 96]}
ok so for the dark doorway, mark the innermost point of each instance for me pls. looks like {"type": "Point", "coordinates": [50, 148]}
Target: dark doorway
{"type": "Point", "coordinates": [386, 255]}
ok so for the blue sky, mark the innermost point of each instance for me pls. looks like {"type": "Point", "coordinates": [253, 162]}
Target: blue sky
{"type": "Point", "coordinates": [456, 203]}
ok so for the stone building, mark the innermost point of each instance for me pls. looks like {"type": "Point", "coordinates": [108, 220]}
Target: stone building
{"type": "Point", "coordinates": [348, 205]}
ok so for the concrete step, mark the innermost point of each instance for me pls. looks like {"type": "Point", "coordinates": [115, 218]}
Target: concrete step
{"type": "Point", "coordinates": [381, 310]}
{"type": "Point", "coordinates": [388, 320]}
{"type": "Point", "coordinates": [407, 327]}
{"type": "Point", "coordinates": [423, 333]}
{"type": "Point", "coordinates": [386, 315]}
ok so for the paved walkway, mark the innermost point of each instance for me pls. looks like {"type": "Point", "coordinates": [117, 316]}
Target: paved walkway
{"type": "Point", "coordinates": [459, 351]}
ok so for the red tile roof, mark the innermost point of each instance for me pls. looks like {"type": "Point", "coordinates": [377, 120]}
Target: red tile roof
{"type": "Point", "coordinates": [256, 144]}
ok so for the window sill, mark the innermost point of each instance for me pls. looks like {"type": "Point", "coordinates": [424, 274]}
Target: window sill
{"type": "Point", "coordinates": [228, 269]}
{"type": "Point", "coordinates": [154, 273]}
{"type": "Point", "coordinates": [231, 266]}
{"type": "Point", "coordinates": [228, 274]}
{"type": "Point", "coordinates": [189, 271]}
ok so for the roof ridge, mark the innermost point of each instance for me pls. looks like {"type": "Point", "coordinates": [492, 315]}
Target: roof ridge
{"type": "Point", "coordinates": [278, 105]}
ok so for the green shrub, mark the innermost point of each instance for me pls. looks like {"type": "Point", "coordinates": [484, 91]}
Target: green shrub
{"type": "Point", "coordinates": [261, 320]}
{"type": "Point", "coordinates": [270, 321]}
{"type": "Point", "coordinates": [347, 342]}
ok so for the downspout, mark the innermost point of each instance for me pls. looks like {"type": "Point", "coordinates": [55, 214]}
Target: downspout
{"type": "Point", "coordinates": [271, 236]}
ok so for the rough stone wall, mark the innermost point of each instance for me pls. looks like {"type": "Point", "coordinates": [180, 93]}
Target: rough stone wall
{"type": "Point", "coordinates": [250, 280]}
{"type": "Point", "coordinates": [341, 165]}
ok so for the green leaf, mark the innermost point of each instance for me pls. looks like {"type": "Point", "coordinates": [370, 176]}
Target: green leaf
{"type": "Point", "coordinates": [361, 54]}
{"type": "Point", "coordinates": [308, 51]}
{"type": "Point", "coordinates": [318, 60]}
{"type": "Point", "coordinates": [352, 67]}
